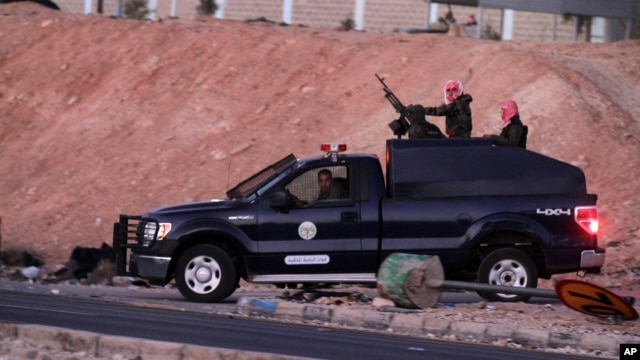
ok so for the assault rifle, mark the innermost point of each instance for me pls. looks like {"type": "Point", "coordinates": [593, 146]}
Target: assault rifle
{"type": "Point", "coordinates": [401, 124]}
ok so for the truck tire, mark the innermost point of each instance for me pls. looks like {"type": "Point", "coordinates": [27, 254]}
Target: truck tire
{"type": "Point", "coordinates": [507, 267]}
{"type": "Point", "coordinates": [205, 273]}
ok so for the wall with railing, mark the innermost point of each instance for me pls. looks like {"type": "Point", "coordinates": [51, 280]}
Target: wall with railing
{"type": "Point", "coordinates": [368, 15]}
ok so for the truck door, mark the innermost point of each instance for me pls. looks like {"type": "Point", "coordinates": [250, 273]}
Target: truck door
{"type": "Point", "coordinates": [320, 233]}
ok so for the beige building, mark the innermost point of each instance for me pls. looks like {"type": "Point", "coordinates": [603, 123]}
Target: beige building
{"type": "Point", "coordinates": [400, 15]}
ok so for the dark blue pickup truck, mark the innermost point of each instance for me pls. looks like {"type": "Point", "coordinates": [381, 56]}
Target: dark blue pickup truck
{"type": "Point", "coordinates": [497, 215]}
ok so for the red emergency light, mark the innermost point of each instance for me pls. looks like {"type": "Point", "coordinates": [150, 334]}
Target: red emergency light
{"type": "Point", "coordinates": [333, 147]}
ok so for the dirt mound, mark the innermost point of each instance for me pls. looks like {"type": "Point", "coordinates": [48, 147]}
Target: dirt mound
{"type": "Point", "coordinates": [102, 116]}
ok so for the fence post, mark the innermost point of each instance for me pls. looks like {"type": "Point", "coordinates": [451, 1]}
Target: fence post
{"type": "Point", "coordinates": [358, 16]}
{"type": "Point", "coordinates": [88, 7]}
{"type": "Point", "coordinates": [287, 11]}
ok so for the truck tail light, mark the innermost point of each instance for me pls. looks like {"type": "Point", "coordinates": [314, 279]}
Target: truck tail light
{"type": "Point", "coordinates": [587, 218]}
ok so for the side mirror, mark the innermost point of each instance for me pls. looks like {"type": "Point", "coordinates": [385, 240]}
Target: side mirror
{"type": "Point", "coordinates": [280, 200]}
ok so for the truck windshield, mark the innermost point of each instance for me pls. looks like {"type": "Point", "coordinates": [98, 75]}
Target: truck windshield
{"type": "Point", "coordinates": [255, 182]}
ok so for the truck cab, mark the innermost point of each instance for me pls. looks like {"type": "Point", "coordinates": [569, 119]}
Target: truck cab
{"type": "Point", "coordinates": [296, 230]}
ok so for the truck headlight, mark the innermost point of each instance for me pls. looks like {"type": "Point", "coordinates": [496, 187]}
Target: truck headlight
{"type": "Point", "coordinates": [154, 231]}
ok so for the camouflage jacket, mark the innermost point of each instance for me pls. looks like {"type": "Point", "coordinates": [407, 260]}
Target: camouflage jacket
{"type": "Point", "coordinates": [514, 134]}
{"type": "Point", "coordinates": [458, 116]}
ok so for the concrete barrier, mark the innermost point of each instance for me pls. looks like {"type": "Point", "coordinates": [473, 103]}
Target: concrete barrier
{"type": "Point", "coordinates": [410, 324]}
{"type": "Point", "coordinates": [53, 340]}
{"type": "Point", "coordinates": [48, 339]}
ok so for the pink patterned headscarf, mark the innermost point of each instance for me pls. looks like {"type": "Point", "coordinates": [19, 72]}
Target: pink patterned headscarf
{"type": "Point", "coordinates": [509, 109]}
{"type": "Point", "coordinates": [456, 90]}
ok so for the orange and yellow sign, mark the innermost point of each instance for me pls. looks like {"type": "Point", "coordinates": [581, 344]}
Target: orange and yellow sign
{"type": "Point", "coordinates": [593, 300]}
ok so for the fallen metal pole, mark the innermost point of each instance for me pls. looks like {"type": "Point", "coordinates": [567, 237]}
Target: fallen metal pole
{"type": "Point", "coordinates": [416, 281]}
{"type": "Point", "coordinates": [411, 280]}
{"type": "Point", "coordinates": [498, 289]}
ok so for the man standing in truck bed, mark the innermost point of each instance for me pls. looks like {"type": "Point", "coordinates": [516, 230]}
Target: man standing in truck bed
{"type": "Point", "coordinates": [456, 109]}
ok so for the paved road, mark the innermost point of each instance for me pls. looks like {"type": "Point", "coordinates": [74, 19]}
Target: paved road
{"type": "Point", "coordinates": [154, 317]}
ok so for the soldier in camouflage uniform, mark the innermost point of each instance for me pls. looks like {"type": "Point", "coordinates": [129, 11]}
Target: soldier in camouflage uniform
{"type": "Point", "coordinates": [513, 133]}
{"type": "Point", "coordinates": [420, 128]}
{"type": "Point", "coordinates": [456, 108]}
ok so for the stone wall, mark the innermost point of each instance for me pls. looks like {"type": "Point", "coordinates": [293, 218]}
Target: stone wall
{"type": "Point", "coordinates": [379, 15]}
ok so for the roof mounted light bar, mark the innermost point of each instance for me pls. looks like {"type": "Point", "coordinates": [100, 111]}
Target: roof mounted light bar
{"type": "Point", "coordinates": [333, 149]}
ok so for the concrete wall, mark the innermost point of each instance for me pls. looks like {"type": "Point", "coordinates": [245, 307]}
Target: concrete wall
{"type": "Point", "coordinates": [379, 15]}
{"type": "Point", "coordinates": [527, 26]}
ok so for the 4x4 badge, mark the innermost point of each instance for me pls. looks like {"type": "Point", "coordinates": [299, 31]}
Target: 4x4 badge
{"type": "Point", "coordinates": [553, 212]}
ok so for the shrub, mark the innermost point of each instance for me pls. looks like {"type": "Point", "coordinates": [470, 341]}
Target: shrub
{"type": "Point", "coordinates": [207, 7]}
{"type": "Point", "coordinates": [135, 9]}
{"type": "Point", "coordinates": [491, 34]}
{"type": "Point", "coordinates": [347, 24]}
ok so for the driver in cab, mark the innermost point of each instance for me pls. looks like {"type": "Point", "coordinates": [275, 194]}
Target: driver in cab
{"type": "Point", "coordinates": [329, 189]}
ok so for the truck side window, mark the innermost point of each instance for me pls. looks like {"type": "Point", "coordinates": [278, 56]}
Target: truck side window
{"type": "Point", "coordinates": [319, 184]}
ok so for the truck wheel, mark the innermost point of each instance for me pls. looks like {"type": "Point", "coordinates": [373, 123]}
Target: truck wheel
{"type": "Point", "coordinates": [205, 273]}
{"type": "Point", "coordinates": [507, 267]}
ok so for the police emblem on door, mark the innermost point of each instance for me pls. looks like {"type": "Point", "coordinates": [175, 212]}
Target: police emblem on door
{"type": "Point", "coordinates": [307, 230]}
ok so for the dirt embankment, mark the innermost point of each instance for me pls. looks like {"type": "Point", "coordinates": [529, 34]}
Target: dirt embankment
{"type": "Point", "coordinates": [102, 116]}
